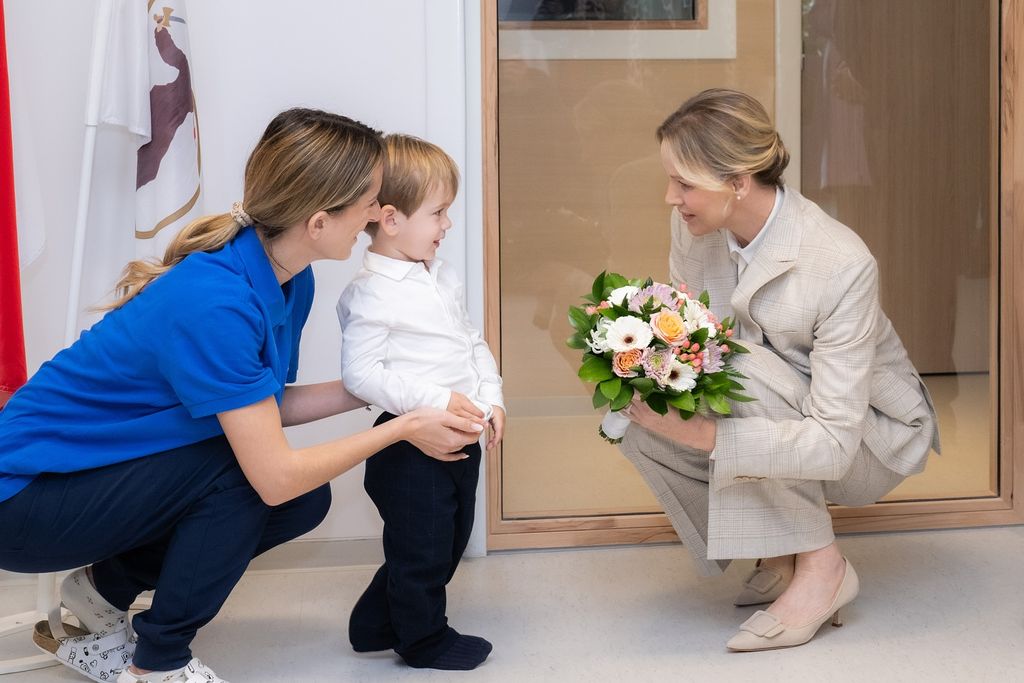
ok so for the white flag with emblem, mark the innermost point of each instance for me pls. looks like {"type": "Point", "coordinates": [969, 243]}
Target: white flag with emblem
{"type": "Point", "coordinates": [147, 89]}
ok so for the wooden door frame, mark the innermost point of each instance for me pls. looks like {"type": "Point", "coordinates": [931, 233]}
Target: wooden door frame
{"type": "Point", "coordinates": [1005, 508]}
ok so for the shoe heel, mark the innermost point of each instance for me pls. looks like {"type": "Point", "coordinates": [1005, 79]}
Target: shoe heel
{"type": "Point", "coordinates": [836, 619]}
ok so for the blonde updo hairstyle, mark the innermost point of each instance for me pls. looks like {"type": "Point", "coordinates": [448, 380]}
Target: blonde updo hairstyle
{"type": "Point", "coordinates": [307, 161]}
{"type": "Point", "coordinates": [720, 134]}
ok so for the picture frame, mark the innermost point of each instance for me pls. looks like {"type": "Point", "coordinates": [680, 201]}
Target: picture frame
{"type": "Point", "coordinates": [603, 14]}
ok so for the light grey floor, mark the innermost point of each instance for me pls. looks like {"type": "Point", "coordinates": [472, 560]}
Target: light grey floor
{"type": "Point", "coordinates": [934, 606]}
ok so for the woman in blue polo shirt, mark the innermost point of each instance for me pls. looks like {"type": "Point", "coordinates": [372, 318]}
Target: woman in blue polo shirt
{"type": "Point", "coordinates": [152, 451]}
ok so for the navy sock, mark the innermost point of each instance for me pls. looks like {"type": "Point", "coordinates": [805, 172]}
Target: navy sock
{"type": "Point", "coordinates": [467, 652]}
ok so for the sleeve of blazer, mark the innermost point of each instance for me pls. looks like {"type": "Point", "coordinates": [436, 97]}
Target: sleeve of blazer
{"type": "Point", "coordinates": [822, 445]}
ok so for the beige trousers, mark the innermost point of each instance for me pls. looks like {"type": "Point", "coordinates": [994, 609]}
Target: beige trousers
{"type": "Point", "coordinates": [756, 518]}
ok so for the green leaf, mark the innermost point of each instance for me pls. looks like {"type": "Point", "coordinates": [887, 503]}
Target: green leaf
{"type": "Point", "coordinates": [580, 319]}
{"type": "Point", "coordinates": [609, 313]}
{"type": "Point", "coordinates": [683, 401]}
{"type": "Point", "coordinates": [739, 397]}
{"type": "Point", "coordinates": [685, 414]}
{"type": "Point", "coordinates": [596, 369]}
{"type": "Point", "coordinates": [597, 290]}
{"type": "Point", "coordinates": [643, 384]}
{"type": "Point", "coordinates": [610, 387]}
{"type": "Point", "coordinates": [657, 404]}
{"type": "Point", "coordinates": [624, 396]}
{"type": "Point", "coordinates": [576, 341]}
{"type": "Point", "coordinates": [700, 336]}
{"type": "Point", "coordinates": [737, 348]}
{"type": "Point", "coordinates": [705, 299]}
{"type": "Point", "coordinates": [718, 404]}
{"type": "Point", "coordinates": [599, 398]}
{"type": "Point", "coordinates": [614, 281]}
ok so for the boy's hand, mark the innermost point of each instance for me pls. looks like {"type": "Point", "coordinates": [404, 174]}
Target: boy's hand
{"type": "Point", "coordinates": [497, 426]}
{"type": "Point", "coordinates": [460, 405]}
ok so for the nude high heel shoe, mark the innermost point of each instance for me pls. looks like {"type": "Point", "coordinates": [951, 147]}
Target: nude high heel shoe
{"type": "Point", "coordinates": [764, 585]}
{"type": "Point", "coordinates": [764, 631]}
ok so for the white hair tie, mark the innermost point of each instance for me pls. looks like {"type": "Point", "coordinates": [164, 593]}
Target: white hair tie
{"type": "Point", "coordinates": [241, 217]}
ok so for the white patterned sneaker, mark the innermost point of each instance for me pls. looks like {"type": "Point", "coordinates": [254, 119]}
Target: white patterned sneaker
{"type": "Point", "coordinates": [193, 672]}
{"type": "Point", "coordinates": [93, 611]}
{"type": "Point", "coordinates": [100, 658]}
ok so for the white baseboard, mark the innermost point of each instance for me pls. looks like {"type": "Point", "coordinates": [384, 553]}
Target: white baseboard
{"type": "Point", "coordinates": [315, 554]}
{"type": "Point", "coordinates": [301, 555]}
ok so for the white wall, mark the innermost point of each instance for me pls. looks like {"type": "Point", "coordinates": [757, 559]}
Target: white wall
{"type": "Point", "coordinates": [398, 65]}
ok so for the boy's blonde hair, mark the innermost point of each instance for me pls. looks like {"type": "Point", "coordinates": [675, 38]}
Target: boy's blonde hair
{"type": "Point", "coordinates": [413, 168]}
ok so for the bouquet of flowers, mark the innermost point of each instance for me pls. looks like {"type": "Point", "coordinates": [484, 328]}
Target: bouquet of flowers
{"type": "Point", "coordinates": [653, 340]}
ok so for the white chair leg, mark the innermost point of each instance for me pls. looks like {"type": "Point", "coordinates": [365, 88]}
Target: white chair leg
{"type": "Point", "coordinates": [23, 623]}
{"type": "Point", "coordinates": [46, 591]}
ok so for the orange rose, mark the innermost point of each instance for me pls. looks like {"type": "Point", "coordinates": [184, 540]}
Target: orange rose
{"type": "Point", "coordinates": [624, 362]}
{"type": "Point", "coordinates": [668, 326]}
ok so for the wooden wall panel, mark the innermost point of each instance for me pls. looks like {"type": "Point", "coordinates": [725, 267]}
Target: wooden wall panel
{"type": "Point", "coordinates": [898, 116]}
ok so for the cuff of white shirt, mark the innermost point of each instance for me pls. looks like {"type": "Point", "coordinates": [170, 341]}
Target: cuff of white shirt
{"type": "Point", "coordinates": [491, 394]}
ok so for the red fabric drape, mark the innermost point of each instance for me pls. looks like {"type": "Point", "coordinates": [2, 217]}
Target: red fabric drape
{"type": "Point", "coordinates": [12, 340]}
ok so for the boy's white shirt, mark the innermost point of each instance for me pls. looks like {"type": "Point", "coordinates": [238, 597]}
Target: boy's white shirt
{"type": "Point", "coordinates": [407, 340]}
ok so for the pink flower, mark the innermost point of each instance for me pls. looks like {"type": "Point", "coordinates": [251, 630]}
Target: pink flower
{"type": "Point", "coordinates": [657, 294]}
{"type": "Point", "coordinates": [657, 364]}
{"type": "Point", "coordinates": [712, 357]}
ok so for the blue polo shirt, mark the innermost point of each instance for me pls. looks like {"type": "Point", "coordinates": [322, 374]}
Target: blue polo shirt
{"type": "Point", "coordinates": [213, 333]}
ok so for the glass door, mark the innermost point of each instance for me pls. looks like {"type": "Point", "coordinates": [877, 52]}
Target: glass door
{"type": "Point", "coordinates": [899, 137]}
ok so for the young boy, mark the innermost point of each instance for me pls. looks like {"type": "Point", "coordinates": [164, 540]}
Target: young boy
{"type": "Point", "coordinates": [408, 343]}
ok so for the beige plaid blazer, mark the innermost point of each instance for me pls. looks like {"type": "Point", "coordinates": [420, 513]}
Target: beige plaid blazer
{"type": "Point", "coordinates": [811, 295]}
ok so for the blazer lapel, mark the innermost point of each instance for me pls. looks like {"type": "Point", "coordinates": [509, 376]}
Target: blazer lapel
{"type": "Point", "coordinates": [719, 274]}
{"type": "Point", "coordinates": [777, 255]}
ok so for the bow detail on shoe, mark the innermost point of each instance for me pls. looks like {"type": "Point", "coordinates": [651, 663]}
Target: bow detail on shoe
{"type": "Point", "coordinates": [763, 624]}
{"type": "Point", "coordinates": [763, 579]}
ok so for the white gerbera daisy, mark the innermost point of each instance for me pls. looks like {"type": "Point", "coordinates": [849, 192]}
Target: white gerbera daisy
{"type": "Point", "coordinates": [681, 376]}
{"type": "Point", "coordinates": [628, 333]}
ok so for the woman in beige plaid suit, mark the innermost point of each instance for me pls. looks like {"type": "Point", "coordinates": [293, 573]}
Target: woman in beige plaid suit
{"type": "Point", "coordinates": [841, 415]}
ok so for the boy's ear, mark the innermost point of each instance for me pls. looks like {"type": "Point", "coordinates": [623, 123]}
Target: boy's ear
{"type": "Point", "coordinates": [390, 220]}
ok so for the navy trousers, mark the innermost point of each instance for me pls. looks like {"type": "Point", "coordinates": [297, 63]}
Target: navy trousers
{"type": "Point", "coordinates": [185, 523]}
{"type": "Point", "coordinates": [427, 507]}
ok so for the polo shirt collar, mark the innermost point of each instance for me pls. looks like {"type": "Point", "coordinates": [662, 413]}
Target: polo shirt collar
{"type": "Point", "coordinates": [261, 275]}
{"type": "Point", "coordinates": [393, 268]}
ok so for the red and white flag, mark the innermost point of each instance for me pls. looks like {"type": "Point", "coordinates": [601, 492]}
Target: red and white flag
{"type": "Point", "coordinates": [12, 340]}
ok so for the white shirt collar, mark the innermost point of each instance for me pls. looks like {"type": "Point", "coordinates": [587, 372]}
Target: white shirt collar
{"type": "Point", "coordinates": [748, 252]}
{"type": "Point", "coordinates": [393, 268]}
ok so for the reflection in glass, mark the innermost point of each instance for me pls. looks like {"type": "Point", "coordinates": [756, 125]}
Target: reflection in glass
{"type": "Point", "coordinates": [899, 128]}
{"type": "Point", "coordinates": [581, 190]}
